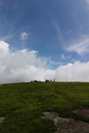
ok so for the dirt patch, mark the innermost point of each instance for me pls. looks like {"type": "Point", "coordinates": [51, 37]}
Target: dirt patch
{"type": "Point", "coordinates": [66, 125]}
{"type": "Point", "coordinates": [82, 112]}
{"type": "Point", "coordinates": [1, 119]}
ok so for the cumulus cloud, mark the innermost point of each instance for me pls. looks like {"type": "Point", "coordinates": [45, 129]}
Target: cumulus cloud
{"type": "Point", "coordinates": [20, 66]}
{"type": "Point", "coordinates": [24, 66]}
{"type": "Point", "coordinates": [72, 72]}
{"type": "Point", "coordinates": [23, 36]}
{"type": "Point", "coordinates": [4, 48]}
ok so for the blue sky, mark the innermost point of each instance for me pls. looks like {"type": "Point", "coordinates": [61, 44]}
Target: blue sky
{"type": "Point", "coordinates": [55, 34]}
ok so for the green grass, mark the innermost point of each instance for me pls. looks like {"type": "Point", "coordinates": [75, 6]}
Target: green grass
{"type": "Point", "coordinates": [23, 103]}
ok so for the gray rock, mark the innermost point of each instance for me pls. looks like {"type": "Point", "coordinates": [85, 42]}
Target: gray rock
{"type": "Point", "coordinates": [1, 119]}
{"type": "Point", "coordinates": [67, 125]}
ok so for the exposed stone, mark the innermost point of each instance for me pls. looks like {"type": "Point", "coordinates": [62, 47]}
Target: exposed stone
{"type": "Point", "coordinates": [82, 112]}
{"type": "Point", "coordinates": [60, 121]}
{"type": "Point", "coordinates": [1, 119]}
{"type": "Point", "coordinates": [46, 115]}
{"type": "Point", "coordinates": [49, 115]}
{"type": "Point", "coordinates": [67, 125]}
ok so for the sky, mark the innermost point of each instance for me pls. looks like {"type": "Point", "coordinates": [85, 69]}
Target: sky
{"type": "Point", "coordinates": [44, 39]}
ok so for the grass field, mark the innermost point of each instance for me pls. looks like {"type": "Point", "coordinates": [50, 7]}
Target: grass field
{"type": "Point", "coordinates": [23, 103]}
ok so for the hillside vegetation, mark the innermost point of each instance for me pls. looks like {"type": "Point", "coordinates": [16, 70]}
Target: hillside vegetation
{"type": "Point", "coordinates": [23, 104]}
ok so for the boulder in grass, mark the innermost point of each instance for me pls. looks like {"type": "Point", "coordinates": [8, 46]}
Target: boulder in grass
{"type": "Point", "coordinates": [66, 125]}
{"type": "Point", "coordinates": [1, 119]}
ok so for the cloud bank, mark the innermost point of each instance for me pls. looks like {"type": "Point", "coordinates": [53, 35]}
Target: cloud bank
{"type": "Point", "coordinates": [24, 66]}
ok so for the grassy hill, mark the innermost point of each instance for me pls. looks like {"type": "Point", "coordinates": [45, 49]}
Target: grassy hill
{"type": "Point", "coordinates": [23, 104]}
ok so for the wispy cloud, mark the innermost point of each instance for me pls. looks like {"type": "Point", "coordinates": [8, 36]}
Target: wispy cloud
{"type": "Point", "coordinates": [55, 62]}
{"type": "Point", "coordinates": [80, 47]}
{"type": "Point", "coordinates": [68, 32]}
{"type": "Point", "coordinates": [5, 38]}
{"type": "Point", "coordinates": [87, 1]}
{"type": "Point", "coordinates": [63, 57]}
{"type": "Point", "coordinates": [57, 28]}
{"type": "Point", "coordinates": [23, 36]}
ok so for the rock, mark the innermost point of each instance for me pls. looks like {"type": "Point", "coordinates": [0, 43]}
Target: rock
{"type": "Point", "coordinates": [49, 115]}
{"type": "Point", "coordinates": [82, 112]}
{"type": "Point", "coordinates": [54, 115]}
{"type": "Point", "coordinates": [1, 119]}
{"type": "Point", "coordinates": [60, 121]}
{"type": "Point", "coordinates": [67, 125]}
{"type": "Point", "coordinates": [46, 115]}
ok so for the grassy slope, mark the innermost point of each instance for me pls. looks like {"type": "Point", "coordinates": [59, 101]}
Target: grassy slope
{"type": "Point", "coordinates": [23, 103]}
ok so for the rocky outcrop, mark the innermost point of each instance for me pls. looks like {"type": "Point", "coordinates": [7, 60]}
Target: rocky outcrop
{"type": "Point", "coordinates": [66, 125]}
{"type": "Point", "coordinates": [82, 112]}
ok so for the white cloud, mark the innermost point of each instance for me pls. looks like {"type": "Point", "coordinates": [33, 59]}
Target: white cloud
{"type": "Point", "coordinates": [4, 48]}
{"type": "Point", "coordinates": [25, 65]}
{"type": "Point", "coordinates": [23, 35]}
{"type": "Point", "coordinates": [80, 47]}
{"type": "Point", "coordinates": [20, 66]}
{"type": "Point", "coordinates": [72, 72]}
